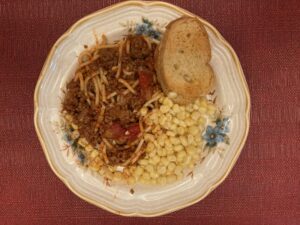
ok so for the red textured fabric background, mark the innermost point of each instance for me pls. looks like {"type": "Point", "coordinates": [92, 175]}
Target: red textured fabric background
{"type": "Point", "coordinates": [263, 187]}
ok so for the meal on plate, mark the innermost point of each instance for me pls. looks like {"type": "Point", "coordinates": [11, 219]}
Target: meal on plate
{"type": "Point", "coordinates": [136, 109]}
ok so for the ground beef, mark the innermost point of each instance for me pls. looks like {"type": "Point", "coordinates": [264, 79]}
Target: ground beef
{"type": "Point", "coordinates": [124, 110]}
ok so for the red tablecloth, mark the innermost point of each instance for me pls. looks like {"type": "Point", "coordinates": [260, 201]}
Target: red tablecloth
{"type": "Point", "coordinates": [263, 187]}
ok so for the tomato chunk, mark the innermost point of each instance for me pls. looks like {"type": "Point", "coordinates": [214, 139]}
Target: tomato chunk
{"type": "Point", "coordinates": [120, 134]}
{"type": "Point", "coordinates": [115, 131]}
{"type": "Point", "coordinates": [133, 132]}
{"type": "Point", "coordinates": [145, 82]}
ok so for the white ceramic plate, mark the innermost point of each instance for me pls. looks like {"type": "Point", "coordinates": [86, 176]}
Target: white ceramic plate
{"type": "Point", "coordinates": [232, 92]}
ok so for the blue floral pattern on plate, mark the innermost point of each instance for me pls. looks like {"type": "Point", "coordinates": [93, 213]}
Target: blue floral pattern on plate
{"type": "Point", "coordinates": [217, 134]}
{"type": "Point", "coordinates": [146, 28]}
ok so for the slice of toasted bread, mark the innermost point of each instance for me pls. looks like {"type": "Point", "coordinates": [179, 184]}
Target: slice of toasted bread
{"type": "Point", "coordinates": [182, 60]}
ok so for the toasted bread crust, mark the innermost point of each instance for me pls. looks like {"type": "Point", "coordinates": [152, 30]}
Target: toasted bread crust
{"type": "Point", "coordinates": [182, 60]}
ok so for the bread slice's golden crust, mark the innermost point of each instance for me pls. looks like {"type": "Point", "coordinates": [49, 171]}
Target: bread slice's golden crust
{"type": "Point", "coordinates": [182, 60]}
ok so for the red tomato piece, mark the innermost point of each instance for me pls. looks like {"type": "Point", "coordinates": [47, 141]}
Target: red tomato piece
{"type": "Point", "coordinates": [133, 132]}
{"type": "Point", "coordinates": [115, 131]}
{"type": "Point", "coordinates": [145, 82]}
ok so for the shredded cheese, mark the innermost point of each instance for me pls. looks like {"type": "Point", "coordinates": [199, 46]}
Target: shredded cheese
{"type": "Point", "coordinates": [127, 85]}
{"type": "Point", "coordinates": [81, 81]}
{"type": "Point", "coordinates": [127, 73]}
{"type": "Point", "coordinates": [104, 39]}
{"type": "Point", "coordinates": [137, 153]}
{"type": "Point", "coordinates": [148, 42]}
{"type": "Point", "coordinates": [154, 98]}
{"type": "Point", "coordinates": [133, 86]}
{"type": "Point", "coordinates": [102, 148]}
{"type": "Point", "coordinates": [120, 59]}
{"type": "Point", "coordinates": [103, 77]}
{"type": "Point", "coordinates": [128, 47]}
{"type": "Point", "coordinates": [111, 95]}
{"type": "Point", "coordinates": [97, 91]}
{"type": "Point", "coordinates": [106, 142]}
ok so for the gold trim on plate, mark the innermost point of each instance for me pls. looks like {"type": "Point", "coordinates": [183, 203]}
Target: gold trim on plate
{"type": "Point", "coordinates": [102, 11]}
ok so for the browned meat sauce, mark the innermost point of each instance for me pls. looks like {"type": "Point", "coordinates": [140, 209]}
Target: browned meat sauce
{"type": "Point", "coordinates": [120, 124]}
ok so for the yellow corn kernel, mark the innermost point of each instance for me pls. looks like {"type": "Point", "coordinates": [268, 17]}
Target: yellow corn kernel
{"type": "Point", "coordinates": [83, 142]}
{"type": "Point", "coordinates": [171, 158]}
{"type": "Point", "coordinates": [211, 107]}
{"type": "Point", "coordinates": [171, 178]}
{"type": "Point", "coordinates": [189, 122]}
{"type": "Point", "coordinates": [191, 149]}
{"type": "Point", "coordinates": [149, 168]}
{"type": "Point", "coordinates": [169, 117]}
{"type": "Point", "coordinates": [189, 108]}
{"type": "Point", "coordinates": [195, 115]}
{"type": "Point", "coordinates": [150, 147]}
{"type": "Point", "coordinates": [152, 154]}
{"type": "Point", "coordinates": [181, 115]}
{"type": "Point", "coordinates": [117, 176]}
{"type": "Point", "coordinates": [75, 134]}
{"type": "Point", "coordinates": [94, 166]}
{"type": "Point", "coordinates": [173, 127]}
{"type": "Point", "coordinates": [183, 140]}
{"type": "Point", "coordinates": [155, 159]}
{"type": "Point", "coordinates": [182, 123]}
{"type": "Point", "coordinates": [143, 162]}
{"type": "Point", "coordinates": [74, 126]}
{"type": "Point", "coordinates": [89, 148]}
{"type": "Point", "coordinates": [198, 140]}
{"type": "Point", "coordinates": [169, 151]}
{"type": "Point", "coordinates": [162, 120]}
{"type": "Point", "coordinates": [162, 180]}
{"type": "Point", "coordinates": [146, 176]}
{"type": "Point", "coordinates": [170, 133]}
{"type": "Point", "coordinates": [203, 103]}
{"type": "Point", "coordinates": [161, 140]}
{"type": "Point", "coordinates": [161, 169]}
{"type": "Point", "coordinates": [98, 161]}
{"type": "Point", "coordinates": [68, 118]}
{"type": "Point", "coordinates": [172, 95]}
{"type": "Point", "coordinates": [160, 152]}
{"type": "Point", "coordinates": [143, 111]}
{"type": "Point", "coordinates": [178, 148]}
{"type": "Point", "coordinates": [168, 143]}
{"type": "Point", "coordinates": [168, 102]}
{"type": "Point", "coordinates": [202, 121]}
{"type": "Point", "coordinates": [164, 161]}
{"type": "Point", "coordinates": [178, 170]}
{"type": "Point", "coordinates": [149, 137]}
{"type": "Point", "coordinates": [164, 108]}
{"type": "Point", "coordinates": [176, 108]}
{"type": "Point", "coordinates": [187, 160]}
{"type": "Point", "coordinates": [131, 180]}
{"type": "Point", "coordinates": [180, 156]}
{"type": "Point", "coordinates": [193, 130]}
{"type": "Point", "coordinates": [94, 153]}
{"type": "Point", "coordinates": [181, 130]}
{"type": "Point", "coordinates": [174, 140]}
{"type": "Point", "coordinates": [171, 166]}
{"type": "Point", "coordinates": [164, 152]}
{"type": "Point", "coordinates": [190, 139]}
{"type": "Point", "coordinates": [154, 175]}
{"type": "Point", "coordinates": [195, 107]}
{"type": "Point", "coordinates": [202, 110]}
{"type": "Point", "coordinates": [179, 175]}
{"type": "Point", "coordinates": [196, 157]}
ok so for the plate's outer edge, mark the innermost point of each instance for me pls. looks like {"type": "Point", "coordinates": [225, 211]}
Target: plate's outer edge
{"type": "Point", "coordinates": [184, 12]}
